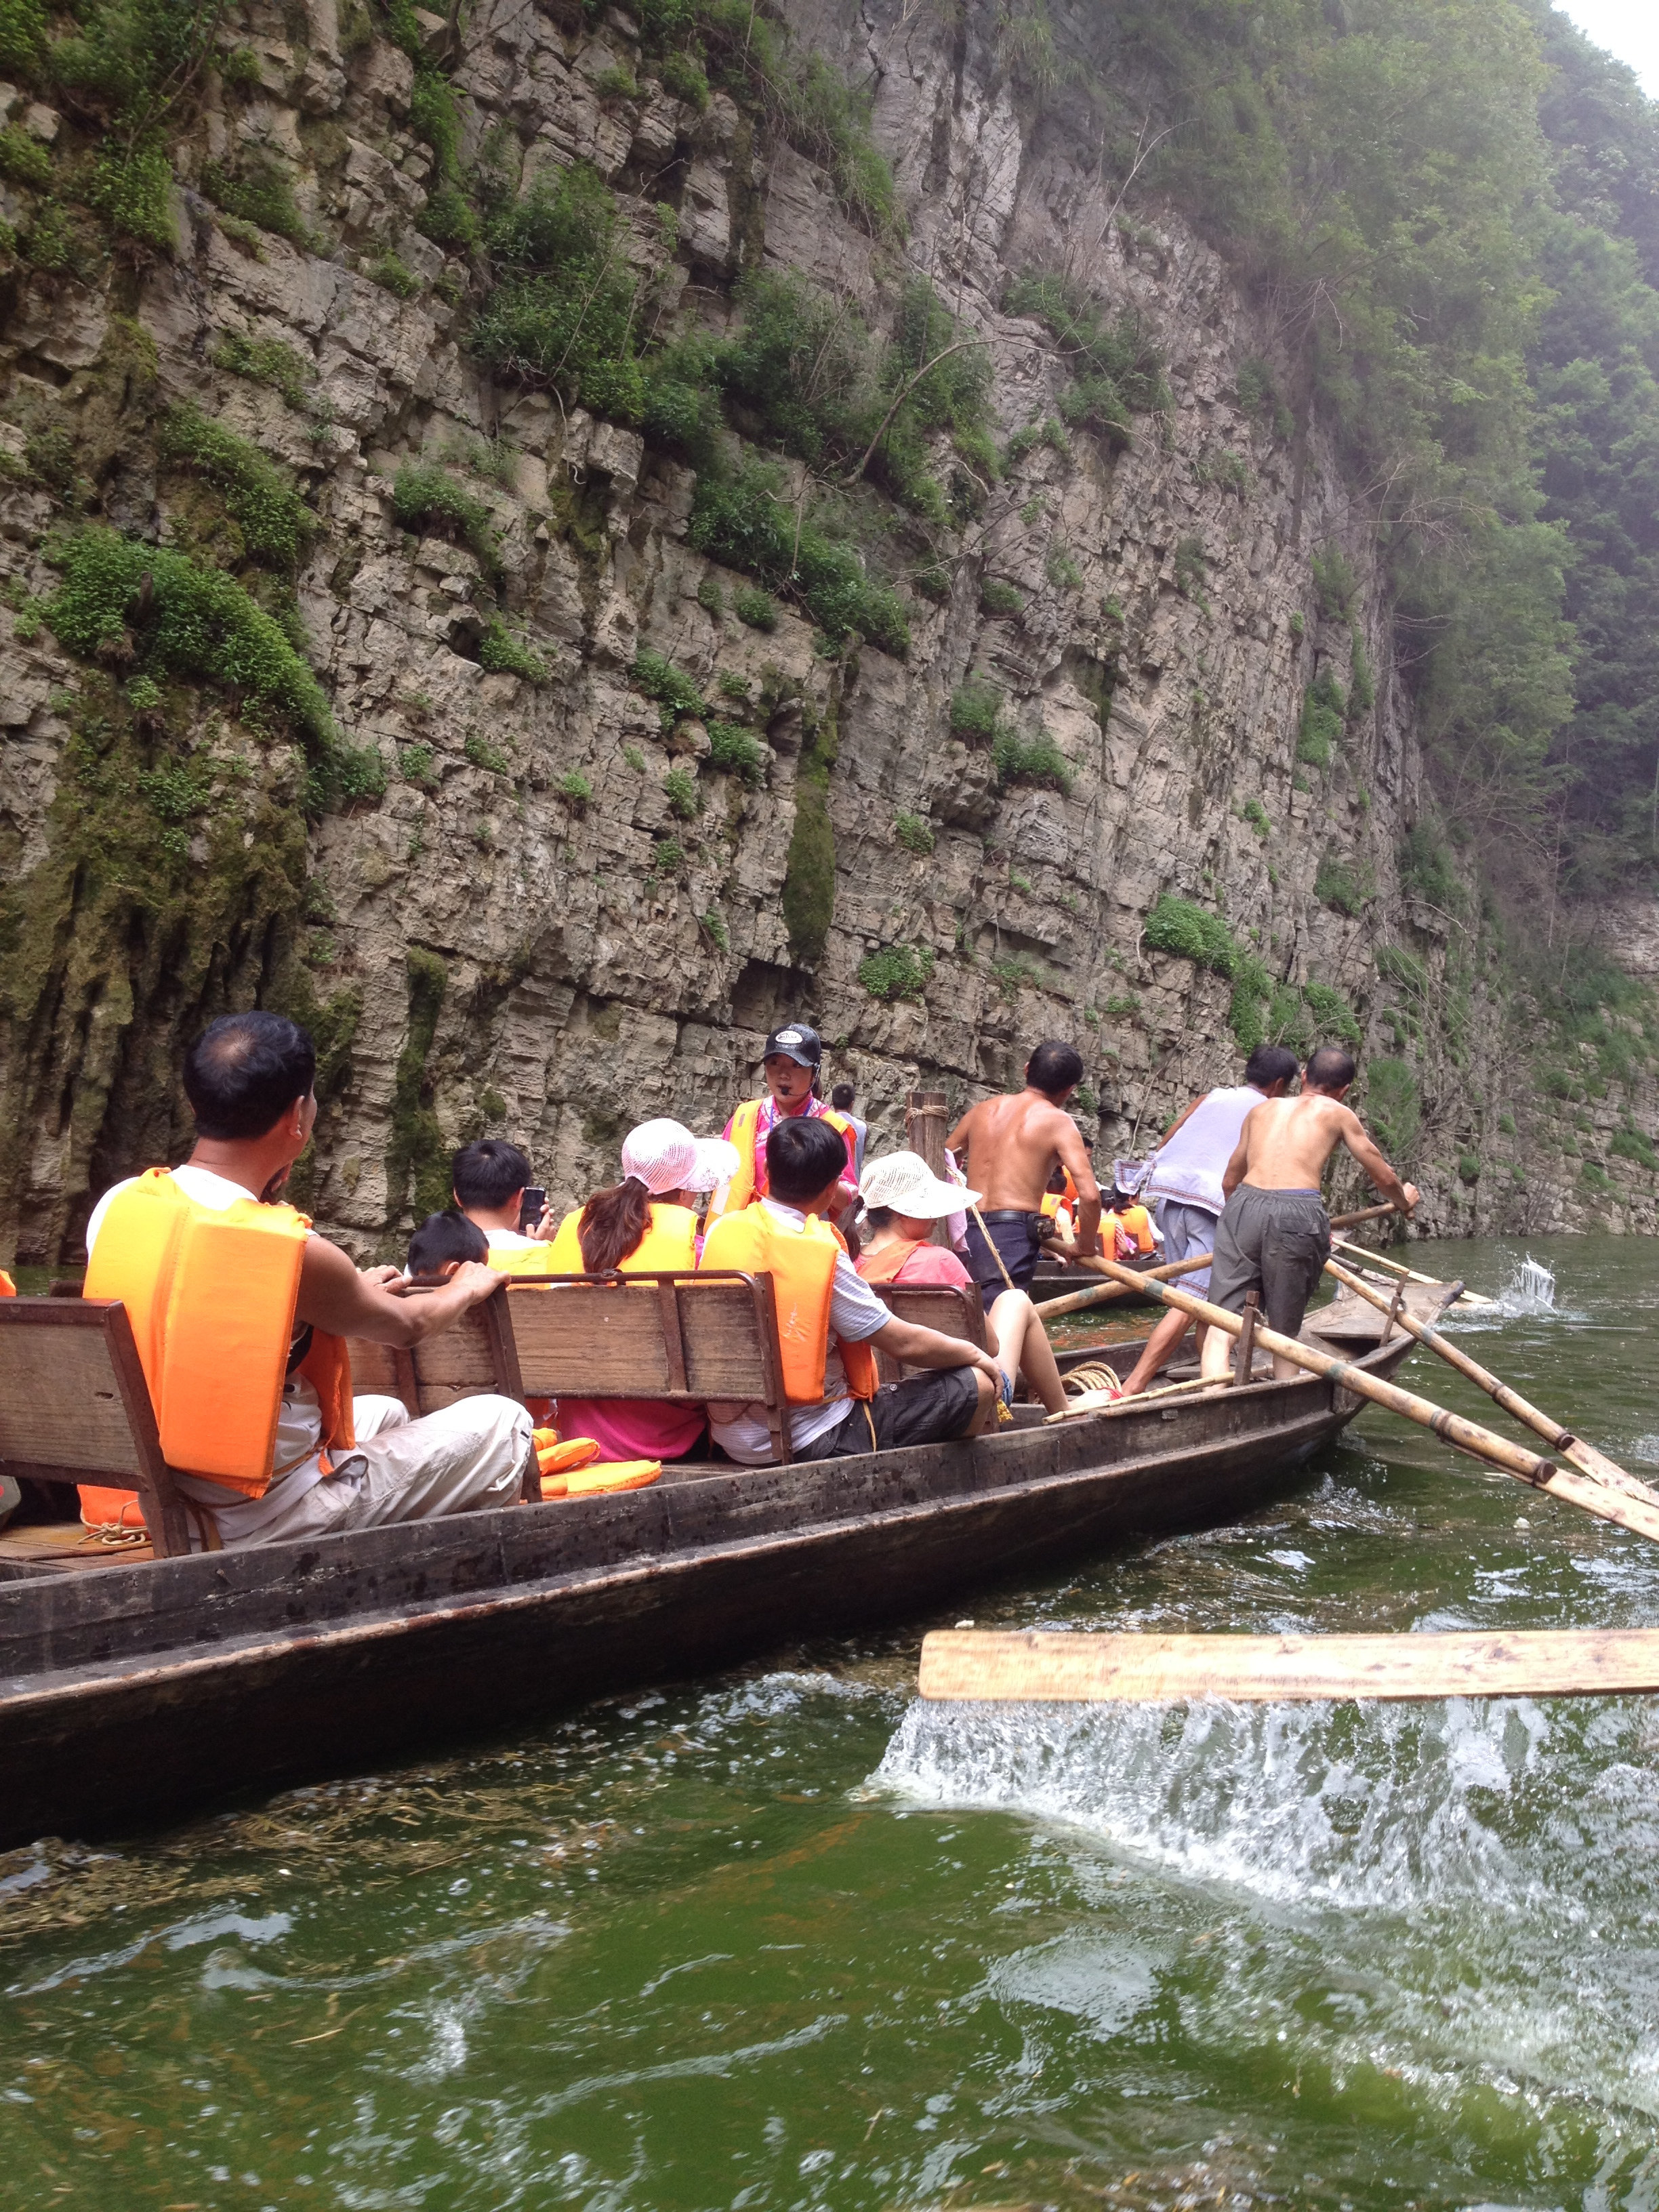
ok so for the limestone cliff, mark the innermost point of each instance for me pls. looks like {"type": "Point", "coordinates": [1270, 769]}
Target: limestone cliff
{"type": "Point", "coordinates": [528, 897]}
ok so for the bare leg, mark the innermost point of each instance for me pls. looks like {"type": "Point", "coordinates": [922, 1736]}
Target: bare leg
{"type": "Point", "coordinates": [1160, 1350]}
{"type": "Point", "coordinates": [1215, 1359]}
{"type": "Point", "coordinates": [1022, 1347]}
{"type": "Point", "coordinates": [984, 1412]}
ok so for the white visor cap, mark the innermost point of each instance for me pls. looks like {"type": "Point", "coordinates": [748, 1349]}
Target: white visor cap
{"type": "Point", "coordinates": [905, 1183]}
{"type": "Point", "coordinates": [665, 1155]}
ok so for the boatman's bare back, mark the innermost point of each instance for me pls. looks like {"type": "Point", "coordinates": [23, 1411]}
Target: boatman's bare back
{"type": "Point", "coordinates": [1008, 1147]}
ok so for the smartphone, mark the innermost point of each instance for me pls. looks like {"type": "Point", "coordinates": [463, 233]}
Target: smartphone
{"type": "Point", "coordinates": [532, 1206]}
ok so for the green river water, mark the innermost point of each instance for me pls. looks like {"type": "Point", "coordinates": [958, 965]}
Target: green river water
{"type": "Point", "coordinates": [788, 1939]}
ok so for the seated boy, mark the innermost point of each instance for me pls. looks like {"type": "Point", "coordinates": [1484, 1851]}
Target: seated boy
{"type": "Point", "coordinates": [828, 1319]}
{"type": "Point", "coordinates": [442, 1242]}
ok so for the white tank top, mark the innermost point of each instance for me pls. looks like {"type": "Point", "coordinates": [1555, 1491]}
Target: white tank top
{"type": "Point", "coordinates": [1189, 1167]}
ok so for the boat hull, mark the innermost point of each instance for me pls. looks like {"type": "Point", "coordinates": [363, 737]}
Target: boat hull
{"type": "Point", "coordinates": [137, 1692]}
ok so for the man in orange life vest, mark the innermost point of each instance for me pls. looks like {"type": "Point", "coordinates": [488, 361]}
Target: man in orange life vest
{"type": "Point", "coordinates": [239, 1311]}
{"type": "Point", "coordinates": [829, 1318]}
{"type": "Point", "coordinates": [791, 1068]}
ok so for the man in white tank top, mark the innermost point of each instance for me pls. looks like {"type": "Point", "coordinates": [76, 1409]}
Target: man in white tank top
{"type": "Point", "coordinates": [1185, 1184]}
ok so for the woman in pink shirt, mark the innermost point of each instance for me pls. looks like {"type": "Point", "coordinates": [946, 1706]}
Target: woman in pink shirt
{"type": "Point", "coordinates": [902, 1200]}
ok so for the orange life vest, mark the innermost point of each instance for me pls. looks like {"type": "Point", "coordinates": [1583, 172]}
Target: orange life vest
{"type": "Point", "coordinates": [210, 1294]}
{"type": "Point", "coordinates": [742, 1131]}
{"type": "Point", "coordinates": [670, 1241]}
{"type": "Point", "coordinates": [802, 1265]}
{"type": "Point", "coordinates": [1136, 1224]}
{"type": "Point", "coordinates": [7, 1288]}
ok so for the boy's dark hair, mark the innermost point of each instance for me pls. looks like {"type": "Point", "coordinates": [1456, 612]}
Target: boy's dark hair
{"type": "Point", "coordinates": [802, 1156]}
{"type": "Point", "coordinates": [1120, 1198]}
{"type": "Point", "coordinates": [1329, 1069]}
{"type": "Point", "coordinates": [841, 1098]}
{"type": "Point", "coordinates": [245, 1071]}
{"type": "Point", "coordinates": [442, 1237]}
{"type": "Point", "coordinates": [1269, 1064]}
{"type": "Point", "coordinates": [1053, 1067]}
{"type": "Point", "coordinates": [487, 1173]}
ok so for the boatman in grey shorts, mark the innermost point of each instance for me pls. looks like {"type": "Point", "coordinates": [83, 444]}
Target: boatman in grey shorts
{"type": "Point", "coordinates": [1274, 1236]}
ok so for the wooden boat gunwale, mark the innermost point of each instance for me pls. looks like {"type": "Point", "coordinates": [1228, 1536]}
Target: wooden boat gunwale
{"type": "Point", "coordinates": [140, 1691]}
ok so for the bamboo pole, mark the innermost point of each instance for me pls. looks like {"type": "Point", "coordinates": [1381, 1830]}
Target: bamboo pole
{"type": "Point", "coordinates": [1583, 1456]}
{"type": "Point", "coordinates": [1029, 1664]}
{"type": "Point", "coordinates": [1107, 1294]}
{"type": "Point", "coordinates": [1406, 1274]}
{"type": "Point", "coordinates": [1596, 1496]}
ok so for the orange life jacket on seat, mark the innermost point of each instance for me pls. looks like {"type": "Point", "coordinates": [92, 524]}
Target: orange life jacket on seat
{"type": "Point", "coordinates": [802, 1265]}
{"type": "Point", "coordinates": [210, 1294]}
{"type": "Point", "coordinates": [670, 1241]}
{"type": "Point", "coordinates": [742, 1131]}
{"type": "Point", "coordinates": [7, 1288]}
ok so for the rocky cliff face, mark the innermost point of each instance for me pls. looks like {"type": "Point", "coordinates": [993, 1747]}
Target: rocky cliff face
{"type": "Point", "coordinates": [520, 923]}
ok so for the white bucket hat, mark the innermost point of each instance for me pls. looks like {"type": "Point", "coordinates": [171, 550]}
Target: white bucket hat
{"type": "Point", "coordinates": [905, 1182]}
{"type": "Point", "coordinates": [665, 1155]}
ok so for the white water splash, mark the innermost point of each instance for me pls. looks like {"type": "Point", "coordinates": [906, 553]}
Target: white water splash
{"type": "Point", "coordinates": [1363, 1808]}
{"type": "Point", "coordinates": [1531, 1289]}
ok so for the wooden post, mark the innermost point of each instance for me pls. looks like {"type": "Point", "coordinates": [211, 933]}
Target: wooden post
{"type": "Point", "coordinates": [1245, 1350]}
{"type": "Point", "coordinates": [1393, 1320]}
{"type": "Point", "coordinates": [925, 1116]}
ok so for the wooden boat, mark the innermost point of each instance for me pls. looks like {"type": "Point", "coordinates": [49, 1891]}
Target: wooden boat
{"type": "Point", "coordinates": [137, 1691]}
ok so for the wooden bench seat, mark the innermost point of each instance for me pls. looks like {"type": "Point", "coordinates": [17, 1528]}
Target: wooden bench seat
{"type": "Point", "coordinates": [74, 1407]}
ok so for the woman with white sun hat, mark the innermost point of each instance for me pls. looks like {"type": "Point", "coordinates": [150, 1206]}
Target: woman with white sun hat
{"type": "Point", "coordinates": [902, 1199]}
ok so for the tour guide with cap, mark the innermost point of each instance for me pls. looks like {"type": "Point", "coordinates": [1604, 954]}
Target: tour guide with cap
{"type": "Point", "coordinates": [791, 1069]}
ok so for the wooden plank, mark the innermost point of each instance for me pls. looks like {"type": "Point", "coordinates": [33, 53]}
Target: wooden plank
{"type": "Point", "coordinates": [1031, 1666]}
{"type": "Point", "coordinates": [61, 1403]}
{"type": "Point", "coordinates": [948, 1308]}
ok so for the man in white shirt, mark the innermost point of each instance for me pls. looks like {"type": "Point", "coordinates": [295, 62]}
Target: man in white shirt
{"type": "Point", "coordinates": [249, 1081]}
{"type": "Point", "coordinates": [1186, 1183]}
{"type": "Point", "coordinates": [805, 1161]}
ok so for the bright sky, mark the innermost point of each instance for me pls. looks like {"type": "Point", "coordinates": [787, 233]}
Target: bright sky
{"type": "Point", "coordinates": [1628, 28]}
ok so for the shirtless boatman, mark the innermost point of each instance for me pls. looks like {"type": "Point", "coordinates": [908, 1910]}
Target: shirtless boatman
{"type": "Point", "coordinates": [1275, 1237]}
{"type": "Point", "coordinates": [1186, 1183]}
{"type": "Point", "coordinates": [1007, 1148]}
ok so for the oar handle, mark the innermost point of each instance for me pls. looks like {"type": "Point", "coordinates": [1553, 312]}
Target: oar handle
{"type": "Point", "coordinates": [1370, 1213]}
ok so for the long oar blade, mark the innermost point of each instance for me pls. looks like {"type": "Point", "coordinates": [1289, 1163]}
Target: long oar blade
{"type": "Point", "coordinates": [1032, 1666]}
{"type": "Point", "coordinates": [1585, 1457]}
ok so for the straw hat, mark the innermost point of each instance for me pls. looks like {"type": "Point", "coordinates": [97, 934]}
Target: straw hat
{"type": "Point", "coordinates": [665, 1155]}
{"type": "Point", "coordinates": [905, 1182]}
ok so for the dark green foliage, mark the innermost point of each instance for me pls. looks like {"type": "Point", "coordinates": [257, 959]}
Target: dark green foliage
{"type": "Point", "coordinates": [574, 788]}
{"type": "Point", "coordinates": [824, 118]}
{"type": "Point", "coordinates": [945, 378]}
{"type": "Point", "coordinates": [417, 1152]}
{"type": "Point", "coordinates": [276, 524]}
{"type": "Point", "coordinates": [668, 856]}
{"type": "Point", "coordinates": [22, 36]}
{"type": "Point", "coordinates": [1396, 965]}
{"type": "Point", "coordinates": [1030, 760]}
{"type": "Point", "coordinates": [744, 521]}
{"type": "Point", "coordinates": [199, 623]}
{"type": "Point", "coordinates": [897, 971]}
{"type": "Point", "coordinates": [913, 832]}
{"type": "Point", "coordinates": [1333, 1015]}
{"type": "Point", "coordinates": [1426, 870]}
{"type": "Point", "coordinates": [808, 897]}
{"type": "Point", "coordinates": [1362, 687]}
{"type": "Point", "coordinates": [425, 497]}
{"type": "Point", "coordinates": [1468, 1168]}
{"type": "Point", "coordinates": [416, 765]}
{"type": "Point", "coordinates": [1393, 1109]}
{"type": "Point", "coordinates": [1629, 1144]}
{"type": "Point", "coordinates": [1175, 924]}
{"type": "Point", "coordinates": [1257, 395]}
{"type": "Point", "coordinates": [996, 597]}
{"type": "Point", "coordinates": [737, 751]}
{"type": "Point", "coordinates": [267, 361]}
{"type": "Point", "coordinates": [1189, 570]}
{"type": "Point", "coordinates": [504, 652]}
{"type": "Point", "coordinates": [710, 597]}
{"type": "Point", "coordinates": [478, 749]}
{"type": "Point", "coordinates": [393, 275]}
{"type": "Point", "coordinates": [24, 160]}
{"type": "Point", "coordinates": [680, 789]}
{"type": "Point", "coordinates": [1341, 885]}
{"type": "Point", "coordinates": [1116, 371]}
{"type": "Point", "coordinates": [799, 369]}
{"type": "Point", "coordinates": [1255, 814]}
{"type": "Point", "coordinates": [1334, 582]}
{"type": "Point", "coordinates": [683, 75]}
{"type": "Point", "coordinates": [240, 70]}
{"type": "Point", "coordinates": [754, 607]}
{"type": "Point", "coordinates": [1324, 714]}
{"type": "Point", "coordinates": [258, 190]}
{"type": "Point", "coordinates": [976, 710]}
{"type": "Point", "coordinates": [671, 688]}
{"type": "Point", "coordinates": [564, 311]}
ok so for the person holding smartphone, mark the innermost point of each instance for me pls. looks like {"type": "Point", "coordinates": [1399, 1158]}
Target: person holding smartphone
{"type": "Point", "coordinates": [491, 1182]}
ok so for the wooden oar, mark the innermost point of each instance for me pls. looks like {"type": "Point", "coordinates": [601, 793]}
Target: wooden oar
{"type": "Point", "coordinates": [1407, 1274]}
{"type": "Point", "coordinates": [1596, 1496]}
{"type": "Point", "coordinates": [1104, 1293]}
{"type": "Point", "coordinates": [1535, 1663]}
{"type": "Point", "coordinates": [1583, 1456]}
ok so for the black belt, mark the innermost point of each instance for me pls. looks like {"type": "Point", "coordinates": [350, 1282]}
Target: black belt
{"type": "Point", "coordinates": [1014, 1213]}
